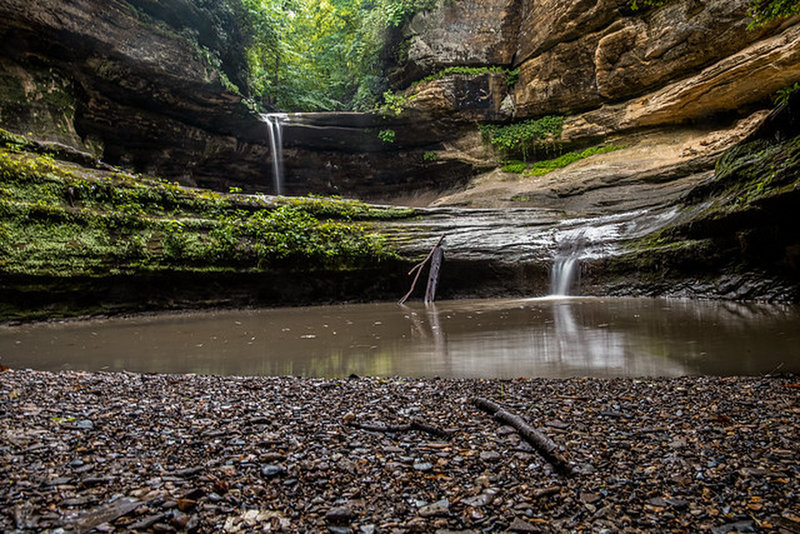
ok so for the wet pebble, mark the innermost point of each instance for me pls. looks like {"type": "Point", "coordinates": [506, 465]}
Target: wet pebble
{"type": "Point", "coordinates": [204, 453]}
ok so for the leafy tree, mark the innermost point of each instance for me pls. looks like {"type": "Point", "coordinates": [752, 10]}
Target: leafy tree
{"type": "Point", "coordinates": [322, 54]}
{"type": "Point", "coordinates": [765, 11]}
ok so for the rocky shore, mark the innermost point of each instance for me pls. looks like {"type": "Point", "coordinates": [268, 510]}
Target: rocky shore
{"type": "Point", "coordinates": [84, 452]}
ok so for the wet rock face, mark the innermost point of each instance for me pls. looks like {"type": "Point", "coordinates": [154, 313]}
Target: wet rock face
{"type": "Point", "coordinates": [579, 56]}
{"type": "Point", "coordinates": [341, 153]}
{"type": "Point", "coordinates": [629, 55]}
{"type": "Point", "coordinates": [469, 32]}
{"type": "Point", "coordinates": [127, 82]}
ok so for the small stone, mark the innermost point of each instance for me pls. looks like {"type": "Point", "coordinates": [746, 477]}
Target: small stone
{"type": "Point", "coordinates": [339, 515]}
{"type": "Point", "coordinates": [490, 456]}
{"type": "Point", "coordinates": [440, 508]}
{"type": "Point", "coordinates": [271, 470]}
{"type": "Point", "coordinates": [520, 525]}
{"type": "Point", "coordinates": [590, 498]}
{"type": "Point", "coordinates": [424, 467]}
{"type": "Point", "coordinates": [678, 504]}
{"type": "Point", "coordinates": [481, 500]}
{"type": "Point", "coordinates": [746, 525]}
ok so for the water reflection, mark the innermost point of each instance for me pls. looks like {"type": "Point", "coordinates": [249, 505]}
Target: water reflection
{"type": "Point", "coordinates": [488, 338]}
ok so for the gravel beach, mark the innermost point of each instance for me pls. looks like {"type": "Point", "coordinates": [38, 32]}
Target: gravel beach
{"type": "Point", "coordinates": [126, 452]}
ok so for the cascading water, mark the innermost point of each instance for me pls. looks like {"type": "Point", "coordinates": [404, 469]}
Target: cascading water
{"type": "Point", "coordinates": [566, 265]}
{"type": "Point", "coordinates": [562, 274]}
{"type": "Point", "coordinates": [274, 123]}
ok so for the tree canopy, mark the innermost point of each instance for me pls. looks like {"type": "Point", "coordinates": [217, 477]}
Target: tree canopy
{"type": "Point", "coordinates": [307, 55]}
{"type": "Point", "coordinates": [322, 54]}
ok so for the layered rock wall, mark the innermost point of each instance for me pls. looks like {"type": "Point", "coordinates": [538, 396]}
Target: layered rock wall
{"type": "Point", "coordinates": [132, 83]}
{"type": "Point", "coordinates": [671, 64]}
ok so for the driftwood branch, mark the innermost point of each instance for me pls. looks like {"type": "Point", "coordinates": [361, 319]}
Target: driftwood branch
{"type": "Point", "coordinates": [543, 445]}
{"type": "Point", "coordinates": [415, 424]}
{"type": "Point", "coordinates": [418, 268]}
{"type": "Point", "coordinates": [433, 275]}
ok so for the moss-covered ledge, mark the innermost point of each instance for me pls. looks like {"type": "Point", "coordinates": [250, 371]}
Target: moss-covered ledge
{"type": "Point", "coordinates": [77, 240]}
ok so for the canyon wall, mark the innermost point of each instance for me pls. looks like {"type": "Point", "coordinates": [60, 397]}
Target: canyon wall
{"type": "Point", "coordinates": [605, 66]}
{"type": "Point", "coordinates": [156, 86]}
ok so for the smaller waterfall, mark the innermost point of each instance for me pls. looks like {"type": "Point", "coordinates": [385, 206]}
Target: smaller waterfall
{"type": "Point", "coordinates": [562, 274]}
{"type": "Point", "coordinates": [275, 134]}
{"type": "Point", "coordinates": [566, 266]}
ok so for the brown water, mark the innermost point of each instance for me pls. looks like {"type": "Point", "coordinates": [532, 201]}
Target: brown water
{"type": "Point", "coordinates": [478, 338]}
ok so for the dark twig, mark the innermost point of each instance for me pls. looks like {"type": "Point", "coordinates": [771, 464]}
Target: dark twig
{"type": "Point", "coordinates": [543, 445]}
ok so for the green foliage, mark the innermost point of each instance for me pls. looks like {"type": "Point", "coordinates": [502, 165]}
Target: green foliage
{"type": "Point", "coordinates": [387, 136]}
{"type": "Point", "coordinates": [430, 156]}
{"type": "Point", "coordinates": [522, 138]}
{"type": "Point", "coordinates": [511, 75]}
{"type": "Point", "coordinates": [213, 60]}
{"type": "Point", "coordinates": [62, 221]}
{"type": "Point", "coordinates": [782, 95]}
{"type": "Point", "coordinates": [515, 167]}
{"type": "Point", "coordinates": [344, 209]}
{"type": "Point", "coordinates": [12, 140]}
{"type": "Point", "coordinates": [765, 11]}
{"type": "Point", "coordinates": [762, 11]}
{"type": "Point", "coordinates": [635, 5]}
{"type": "Point", "coordinates": [540, 168]}
{"type": "Point", "coordinates": [307, 55]}
{"type": "Point", "coordinates": [394, 104]}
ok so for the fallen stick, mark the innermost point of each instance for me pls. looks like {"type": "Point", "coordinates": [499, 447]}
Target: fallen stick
{"type": "Point", "coordinates": [543, 445]}
{"type": "Point", "coordinates": [413, 425]}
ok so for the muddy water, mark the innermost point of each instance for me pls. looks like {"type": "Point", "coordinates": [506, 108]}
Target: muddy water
{"type": "Point", "coordinates": [489, 338]}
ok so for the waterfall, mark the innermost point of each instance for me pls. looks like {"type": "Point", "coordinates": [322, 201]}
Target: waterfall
{"type": "Point", "coordinates": [274, 123]}
{"type": "Point", "coordinates": [562, 274]}
{"type": "Point", "coordinates": [566, 265]}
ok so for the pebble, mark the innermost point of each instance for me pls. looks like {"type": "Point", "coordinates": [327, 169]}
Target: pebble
{"type": "Point", "coordinates": [209, 453]}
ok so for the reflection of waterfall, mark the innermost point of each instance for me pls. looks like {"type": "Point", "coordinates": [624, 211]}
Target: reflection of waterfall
{"type": "Point", "coordinates": [274, 132]}
{"type": "Point", "coordinates": [566, 266]}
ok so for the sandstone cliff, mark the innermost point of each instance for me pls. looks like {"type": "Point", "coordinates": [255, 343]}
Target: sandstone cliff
{"type": "Point", "coordinates": [135, 83]}
{"type": "Point", "coordinates": [633, 69]}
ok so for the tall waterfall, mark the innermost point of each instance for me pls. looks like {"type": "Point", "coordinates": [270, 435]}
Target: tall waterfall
{"type": "Point", "coordinates": [275, 133]}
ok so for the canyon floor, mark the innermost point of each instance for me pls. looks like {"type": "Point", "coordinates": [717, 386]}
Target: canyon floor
{"type": "Point", "coordinates": [101, 452]}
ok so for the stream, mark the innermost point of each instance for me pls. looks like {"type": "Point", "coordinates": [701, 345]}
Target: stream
{"type": "Point", "coordinates": [553, 337]}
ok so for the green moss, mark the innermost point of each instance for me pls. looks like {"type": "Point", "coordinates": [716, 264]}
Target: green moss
{"type": "Point", "coordinates": [636, 5]}
{"type": "Point", "coordinates": [15, 141]}
{"type": "Point", "coordinates": [540, 168]}
{"type": "Point", "coordinates": [749, 174]}
{"type": "Point", "coordinates": [511, 75]}
{"type": "Point", "coordinates": [63, 220]}
{"type": "Point", "coordinates": [515, 167]}
{"type": "Point", "coordinates": [345, 209]}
